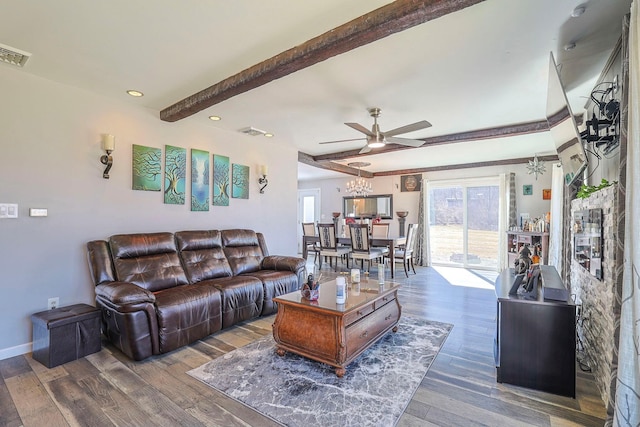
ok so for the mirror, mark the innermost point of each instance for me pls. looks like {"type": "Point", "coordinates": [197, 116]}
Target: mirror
{"type": "Point", "coordinates": [587, 228]}
{"type": "Point", "coordinates": [368, 207]}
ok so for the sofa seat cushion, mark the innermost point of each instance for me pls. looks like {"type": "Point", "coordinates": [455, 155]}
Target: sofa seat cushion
{"type": "Point", "coordinates": [275, 283]}
{"type": "Point", "coordinates": [186, 314]}
{"type": "Point", "coordinates": [242, 298]}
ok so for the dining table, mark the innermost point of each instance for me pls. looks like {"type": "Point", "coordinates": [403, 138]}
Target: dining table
{"type": "Point", "coordinates": [391, 242]}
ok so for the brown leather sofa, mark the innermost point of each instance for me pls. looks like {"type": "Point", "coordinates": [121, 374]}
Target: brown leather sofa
{"type": "Point", "coordinates": [161, 291]}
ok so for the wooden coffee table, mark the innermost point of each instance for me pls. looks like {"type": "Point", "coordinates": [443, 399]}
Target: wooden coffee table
{"type": "Point", "coordinates": [332, 333]}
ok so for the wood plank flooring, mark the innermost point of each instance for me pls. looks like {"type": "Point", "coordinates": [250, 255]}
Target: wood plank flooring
{"type": "Point", "coordinates": [460, 389]}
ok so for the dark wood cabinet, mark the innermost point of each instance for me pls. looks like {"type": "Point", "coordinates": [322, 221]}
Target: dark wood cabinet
{"type": "Point", "coordinates": [535, 344]}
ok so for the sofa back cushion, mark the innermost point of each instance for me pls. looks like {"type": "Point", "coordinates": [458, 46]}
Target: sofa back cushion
{"type": "Point", "coordinates": [242, 249]}
{"type": "Point", "coordinates": [202, 255]}
{"type": "Point", "coordinates": [149, 260]}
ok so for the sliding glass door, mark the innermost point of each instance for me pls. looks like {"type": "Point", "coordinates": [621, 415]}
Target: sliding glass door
{"type": "Point", "coordinates": [463, 221]}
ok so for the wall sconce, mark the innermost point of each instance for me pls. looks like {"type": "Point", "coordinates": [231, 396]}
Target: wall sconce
{"type": "Point", "coordinates": [108, 145]}
{"type": "Point", "coordinates": [262, 180]}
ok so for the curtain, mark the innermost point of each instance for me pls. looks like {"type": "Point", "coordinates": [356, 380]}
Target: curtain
{"type": "Point", "coordinates": [507, 216]}
{"type": "Point", "coordinates": [555, 228]}
{"type": "Point", "coordinates": [511, 197]}
{"type": "Point", "coordinates": [625, 406]}
{"type": "Point", "coordinates": [422, 242]}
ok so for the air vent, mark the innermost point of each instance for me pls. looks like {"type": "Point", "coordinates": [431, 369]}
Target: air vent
{"type": "Point", "coordinates": [13, 56]}
{"type": "Point", "coordinates": [252, 131]}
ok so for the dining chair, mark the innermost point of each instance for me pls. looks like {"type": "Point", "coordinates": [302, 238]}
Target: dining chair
{"type": "Point", "coordinates": [309, 229]}
{"type": "Point", "coordinates": [360, 245]}
{"type": "Point", "coordinates": [406, 254]}
{"type": "Point", "coordinates": [329, 245]}
{"type": "Point", "coordinates": [380, 229]}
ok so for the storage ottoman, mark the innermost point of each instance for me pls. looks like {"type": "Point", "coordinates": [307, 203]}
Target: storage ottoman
{"type": "Point", "coordinates": [65, 334]}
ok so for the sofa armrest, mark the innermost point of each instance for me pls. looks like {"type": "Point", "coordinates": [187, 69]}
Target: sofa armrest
{"type": "Point", "coordinates": [124, 293]}
{"type": "Point", "coordinates": [283, 263]}
{"type": "Point", "coordinates": [286, 263]}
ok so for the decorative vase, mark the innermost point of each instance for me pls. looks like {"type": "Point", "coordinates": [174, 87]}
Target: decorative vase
{"type": "Point", "coordinates": [309, 293]}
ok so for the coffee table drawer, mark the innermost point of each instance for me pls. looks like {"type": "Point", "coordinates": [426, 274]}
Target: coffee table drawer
{"type": "Point", "coordinates": [367, 330]}
{"type": "Point", "coordinates": [383, 301]}
{"type": "Point", "coordinates": [358, 314]}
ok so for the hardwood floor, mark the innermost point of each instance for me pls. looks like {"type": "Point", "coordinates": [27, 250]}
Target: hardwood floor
{"type": "Point", "coordinates": [460, 389]}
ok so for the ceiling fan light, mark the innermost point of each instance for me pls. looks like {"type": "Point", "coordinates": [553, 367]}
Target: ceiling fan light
{"type": "Point", "coordinates": [376, 144]}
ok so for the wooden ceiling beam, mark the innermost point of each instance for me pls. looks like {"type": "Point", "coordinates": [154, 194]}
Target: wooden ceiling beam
{"type": "Point", "coordinates": [326, 161]}
{"type": "Point", "coordinates": [504, 162]}
{"type": "Point", "coordinates": [497, 132]}
{"type": "Point", "coordinates": [382, 22]}
{"type": "Point", "coordinates": [328, 165]}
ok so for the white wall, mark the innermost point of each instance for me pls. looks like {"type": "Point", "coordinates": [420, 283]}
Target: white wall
{"type": "Point", "coordinates": [49, 158]}
{"type": "Point", "coordinates": [534, 205]}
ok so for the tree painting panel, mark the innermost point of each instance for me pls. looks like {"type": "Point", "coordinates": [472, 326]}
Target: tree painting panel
{"type": "Point", "coordinates": [175, 171]}
{"type": "Point", "coordinates": [221, 180]}
{"type": "Point", "coordinates": [199, 180]}
{"type": "Point", "coordinates": [147, 168]}
{"type": "Point", "coordinates": [240, 181]}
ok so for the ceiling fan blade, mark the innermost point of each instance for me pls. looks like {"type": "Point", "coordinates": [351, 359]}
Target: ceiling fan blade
{"type": "Point", "coordinates": [365, 149]}
{"type": "Point", "coordinates": [342, 140]}
{"type": "Point", "coordinates": [361, 128]}
{"type": "Point", "coordinates": [405, 141]}
{"type": "Point", "coordinates": [408, 128]}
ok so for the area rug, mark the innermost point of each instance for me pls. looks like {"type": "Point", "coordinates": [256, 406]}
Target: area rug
{"type": "Point", "coordinates": [295, 391]}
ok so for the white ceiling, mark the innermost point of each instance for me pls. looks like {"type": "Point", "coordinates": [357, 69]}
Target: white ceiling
{"type": "Point", "coordinates": [483, 67]}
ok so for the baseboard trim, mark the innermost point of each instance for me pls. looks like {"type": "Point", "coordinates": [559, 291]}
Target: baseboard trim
{"type": "Point", "coordinates": [6, 353]}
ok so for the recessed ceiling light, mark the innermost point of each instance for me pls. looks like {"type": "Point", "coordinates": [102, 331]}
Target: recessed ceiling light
{"type": "Point", "coordinates": [215, 118]}
{"type": "Point", "coordinates": [135, 93]}
{"type": "Point", "coordinates": [268, 135]}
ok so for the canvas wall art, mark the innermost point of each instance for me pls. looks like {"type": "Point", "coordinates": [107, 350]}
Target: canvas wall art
{"type": "Point", "coordinates": [240, 181]}
{"type": "Point", "coordinates": [147, 168]}
{"type": "Point", "coordinates": [221, 181]}
{"type": "Point", "coordinates": [199, 180]}
{"type": "Point", "coordinates": [175, 171]}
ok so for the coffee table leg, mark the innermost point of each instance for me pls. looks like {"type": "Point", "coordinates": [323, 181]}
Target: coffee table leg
{"type": "Point", "coordinates": [280, 351]}
{"type": "Point", "coordinates": [340, 372]}
{"type": "Point", "coordinates": [395, 329]}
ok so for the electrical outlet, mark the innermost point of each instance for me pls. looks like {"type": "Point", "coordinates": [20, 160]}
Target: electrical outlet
{"type": "Point", "coordinates": [53, 303]}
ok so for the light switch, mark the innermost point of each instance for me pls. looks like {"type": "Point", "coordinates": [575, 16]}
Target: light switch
{"type": "Point", "coordinates": [8, 210]}
{"type": "Point", "coordinates": [37, 212]}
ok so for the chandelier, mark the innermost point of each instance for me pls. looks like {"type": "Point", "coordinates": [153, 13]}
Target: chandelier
{"type": "Point", "coordinates": [536, 166]}
{"type": "Point", "coordinates": [359, 186]}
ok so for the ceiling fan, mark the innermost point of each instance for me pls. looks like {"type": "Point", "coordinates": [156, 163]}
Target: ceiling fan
{"type": "Point", "coordinates": [376, 138]}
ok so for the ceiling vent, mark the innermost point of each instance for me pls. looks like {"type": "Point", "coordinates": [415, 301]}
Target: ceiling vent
{"type": "Point", "coordinates": [13, 56]}
{"type": "Point", "coordinates": [252, 131]}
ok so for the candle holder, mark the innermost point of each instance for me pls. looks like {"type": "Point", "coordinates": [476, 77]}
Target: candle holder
{"type": "Point", "coordinates": [402, 217]}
